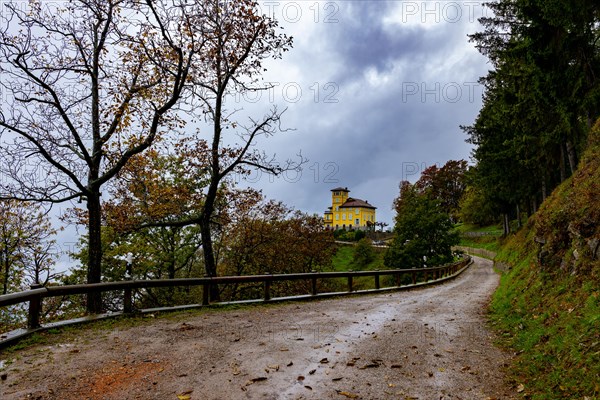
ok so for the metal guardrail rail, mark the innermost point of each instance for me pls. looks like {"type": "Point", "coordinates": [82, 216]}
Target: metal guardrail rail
{"type": "Point", "coordinates": [35, 296]}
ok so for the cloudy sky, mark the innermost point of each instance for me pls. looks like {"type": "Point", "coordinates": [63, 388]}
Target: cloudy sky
{"type": "Point", "coordinates": [375, 90]}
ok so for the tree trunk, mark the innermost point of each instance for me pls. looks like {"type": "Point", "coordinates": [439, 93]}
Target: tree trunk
{"type": "Point", "coordinates": [94, 272]}
{"type": "Point", "coordinates": [6, 271]}
{"type": "Point", "coordinates": [563, 171]}
{"type": "Point", "coordinates": [171, 272]}
{"type": "Point", "coordinates": [37, 272]}
{"type": "Point", "coordinates": [505, 224]}
{"type": "Point", "coordinates": [210, 265]}
{"type": "Point", "coordinates": [544, 190]}
{"type": "Point", "coordinates": [572, 156]}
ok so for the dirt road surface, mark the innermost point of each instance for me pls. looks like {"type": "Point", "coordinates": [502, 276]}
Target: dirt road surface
{"type": "Point", "coordinates": [428, 343]}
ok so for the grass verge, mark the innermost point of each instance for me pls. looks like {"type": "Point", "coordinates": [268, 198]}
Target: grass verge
{"type": "Point", "coordinates": [551, 320]}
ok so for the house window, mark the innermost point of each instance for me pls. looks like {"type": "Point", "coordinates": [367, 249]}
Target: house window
{"type": "Point", "coordinates": [357, 221]}
{"type": "Point", "coordinates": [350, 216]}
{"type": "Point", "coordinates": [344, 217]}
{"type": "Point", "coordinates": [337, 216]}
{"type": "Point", "coordinates": [356, 211]}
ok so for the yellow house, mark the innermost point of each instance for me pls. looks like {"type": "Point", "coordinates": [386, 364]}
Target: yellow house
{"type": "Point", "coordinates": [348, 213]}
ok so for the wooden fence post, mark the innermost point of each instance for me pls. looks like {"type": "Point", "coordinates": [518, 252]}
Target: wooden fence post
{"type": "Point", "coordinates": [267, 289]}
{"type": "Point", "coordinates": [35, 308]}
{"type": "Point", "coordinates": [206, 292]}
{"type": "Point", "coordinates": [127, 301]}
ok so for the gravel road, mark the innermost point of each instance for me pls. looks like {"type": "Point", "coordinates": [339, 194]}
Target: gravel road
{"type": "Point", "coordinates": [428, 343]}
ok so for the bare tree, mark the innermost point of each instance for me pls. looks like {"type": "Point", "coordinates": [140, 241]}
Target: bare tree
{"type": "Point", "coordinates": [237, 39]}
{"type": "Point", "coordinates": [88, 85]}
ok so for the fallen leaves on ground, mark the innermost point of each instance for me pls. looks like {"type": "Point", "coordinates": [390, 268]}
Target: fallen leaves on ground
{"type": "Point", "coordinates": [254, 380]}
{"type": "Point", "coordinates": [347, 394]}
{"type": "Point", "coordinates": [185, 395]}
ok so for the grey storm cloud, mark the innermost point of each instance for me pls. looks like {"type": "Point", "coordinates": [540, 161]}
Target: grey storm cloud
{"type": "Point", "coordinates": [362, 40]}
{"type": "Point", "coordinates": [403, 89]}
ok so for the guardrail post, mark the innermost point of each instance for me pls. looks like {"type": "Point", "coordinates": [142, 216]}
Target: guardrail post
{"type": "Point", "coordinates": [377, 286]}
{"type": "Point", "coordinates": [313, 284]}
{"type": "Point", "coordinates": [414, 277]}
{"type": "Point", "coordinates": [35, 307]}
{"type": "Point", "coordinates": [398, 280]}
{"type": "Point", "coordinates": [350, 282]}
{"type": "Point", "coordinates": [127, 301]}
{"type": "Point", "coordinates": [426, 276]}
{"type": "Point", "coordinates": [267, 289]}
{"type": "Point", "coordinates": [206, 292]}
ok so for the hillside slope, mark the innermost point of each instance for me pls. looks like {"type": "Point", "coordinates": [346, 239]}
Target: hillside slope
{"type": "Point", "coordinates": [547, 307]}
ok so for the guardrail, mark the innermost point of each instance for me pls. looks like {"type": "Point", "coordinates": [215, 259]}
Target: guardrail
{"type": "Point", "coordinates": [35, 296]}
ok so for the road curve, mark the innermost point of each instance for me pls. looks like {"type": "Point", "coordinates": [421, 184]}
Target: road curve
{"type": "Point", "coordinates": [427, 343]}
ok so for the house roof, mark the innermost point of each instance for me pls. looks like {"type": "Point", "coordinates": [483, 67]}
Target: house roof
{"type": "Point", "coordinates": [340, 189]}
{"type": "Point", "coordinates": [351, 202]}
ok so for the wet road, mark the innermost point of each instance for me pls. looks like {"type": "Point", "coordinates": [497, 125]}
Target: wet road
{"type": "Point", "coordinates": [427, 343]}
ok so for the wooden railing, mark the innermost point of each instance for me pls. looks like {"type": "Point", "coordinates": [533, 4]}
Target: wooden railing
{"type": "Point", "coordinates": [37, 293]}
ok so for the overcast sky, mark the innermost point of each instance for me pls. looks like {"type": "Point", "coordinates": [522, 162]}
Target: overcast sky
{"type": "Point", "coordinates": [375, 90]}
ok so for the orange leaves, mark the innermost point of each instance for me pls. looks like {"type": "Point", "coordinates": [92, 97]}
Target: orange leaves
{"type": "Point", "coordinates": [154, 187]}
{"type": "Point", "coordinates": [269, 236]}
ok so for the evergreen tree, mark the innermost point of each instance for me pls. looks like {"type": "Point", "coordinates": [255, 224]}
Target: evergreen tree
{"type": "Point", "coordinates": [539, 98]}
